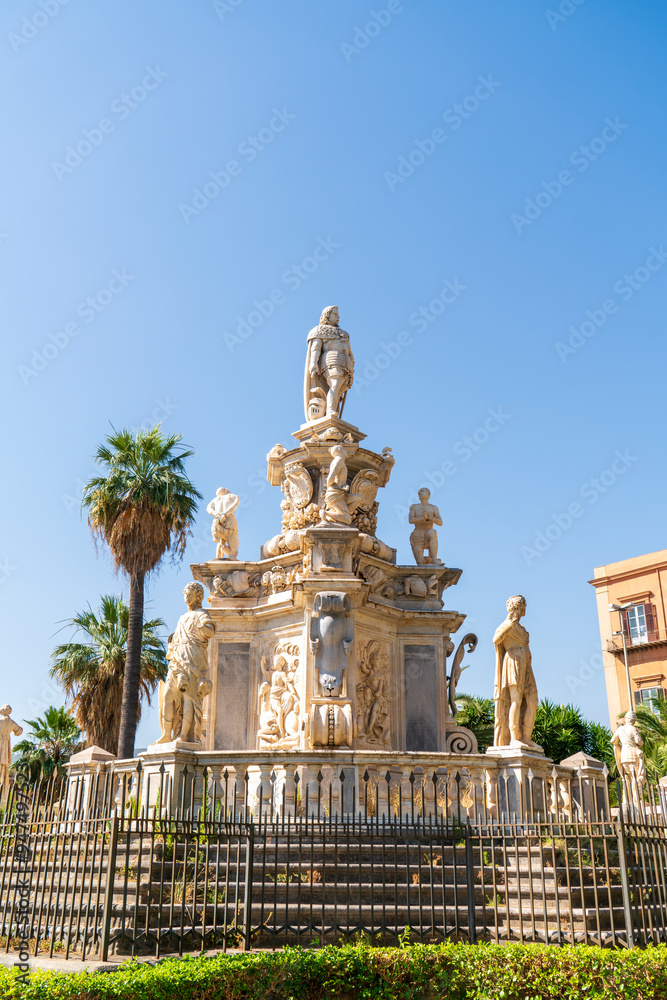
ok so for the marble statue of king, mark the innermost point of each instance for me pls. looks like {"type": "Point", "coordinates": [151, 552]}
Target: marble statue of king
{"type": "Point", "coordinates": [329, 367]}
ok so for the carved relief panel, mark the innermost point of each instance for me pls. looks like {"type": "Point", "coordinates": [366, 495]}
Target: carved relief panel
{"type": "Point", "coordinates": [279, 697]}
{"type": "Point", "coordinates": [373, 696]}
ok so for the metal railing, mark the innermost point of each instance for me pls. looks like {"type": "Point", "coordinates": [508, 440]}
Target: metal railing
{"type": "Point", "coordinates": [214, 871]}
{"type": "Point", "coordinates": [637, 641]}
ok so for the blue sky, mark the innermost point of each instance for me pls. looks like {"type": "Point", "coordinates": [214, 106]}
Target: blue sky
{"type": "Point", "coordinates": [485, 184]}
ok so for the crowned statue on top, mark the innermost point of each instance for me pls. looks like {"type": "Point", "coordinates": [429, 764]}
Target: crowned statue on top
{"type": "Point", "coordinates": [329, 368]}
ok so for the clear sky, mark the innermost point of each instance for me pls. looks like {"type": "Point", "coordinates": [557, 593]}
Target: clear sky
{"type": "Point", "coordinates": [484, 184]}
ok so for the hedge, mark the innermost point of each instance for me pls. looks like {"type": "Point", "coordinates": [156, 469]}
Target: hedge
{"type": "Point", "coordinates": [454, 971]}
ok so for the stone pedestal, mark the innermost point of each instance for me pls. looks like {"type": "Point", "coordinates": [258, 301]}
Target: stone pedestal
{"type": "Point", "coordinates": [590, 791]}
{"type": "Point", "coordinates": [523, 783]}
{"type": "Point", "coordinates": [331, 549]}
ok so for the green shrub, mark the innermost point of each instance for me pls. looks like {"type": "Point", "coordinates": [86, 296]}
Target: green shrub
{"type": "Point", "coordinates": [412, 972]}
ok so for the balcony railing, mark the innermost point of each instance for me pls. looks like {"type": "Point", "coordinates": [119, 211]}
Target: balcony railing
{"type": "Point", "coordinates": [657, 636]}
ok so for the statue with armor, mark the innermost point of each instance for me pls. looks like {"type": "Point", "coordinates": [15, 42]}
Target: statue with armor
{"type": "Point", "coordinates": [329, 367]}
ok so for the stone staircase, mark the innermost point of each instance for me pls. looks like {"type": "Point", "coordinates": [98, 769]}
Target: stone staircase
{"type": "Point", "coordinates": [323, 886]}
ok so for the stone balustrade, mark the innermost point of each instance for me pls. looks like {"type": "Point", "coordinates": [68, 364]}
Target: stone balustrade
{"type": "Point", "coordinates": [324, 784]}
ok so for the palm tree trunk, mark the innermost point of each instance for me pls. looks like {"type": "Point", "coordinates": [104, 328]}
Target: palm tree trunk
{"type": "Point", "coordinates": [131, 679]}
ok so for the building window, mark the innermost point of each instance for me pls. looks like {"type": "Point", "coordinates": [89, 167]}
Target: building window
{"type": "Point", "coordinates": [639, 624]}
{"type": "Point", "coordinates": [646, 697]}
{"type": "Point", "coordinates": [637, 630]}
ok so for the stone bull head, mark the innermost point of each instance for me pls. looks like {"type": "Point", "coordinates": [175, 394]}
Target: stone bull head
{"type": "Point", "coordinates": [331, 638]}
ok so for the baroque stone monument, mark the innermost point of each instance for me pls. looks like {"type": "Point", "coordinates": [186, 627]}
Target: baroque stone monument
{"type": "Point", "coordinates": [325, 641]}
{"type": "Point", "coordinates": [323, 673]}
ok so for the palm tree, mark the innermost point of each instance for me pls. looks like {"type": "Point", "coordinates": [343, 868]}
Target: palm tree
{"type": "Point", "coordinates": [560, 730]}
{"type": "Point", "coordinates": [44, 752]}
{"type": "Point", "coordinates": [142, 508]}
{"type": "Point", "coordinates": [477, 714]}
{"type": "Point", "coordinates": [91, 671]}
{"type": "Point", "coordinates": [652, 724]}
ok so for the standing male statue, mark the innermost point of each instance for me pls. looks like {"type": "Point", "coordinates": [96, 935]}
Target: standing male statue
{"type": "Point", "coordinates": [329, 365]}
{"type": "Point", "coordinates": [627, 743]}
{"type": "Point", "coordinates": [424, 516]}
{"type": "Point", "coordinates": [515, 690]}
{"type": "Point", "coordinates": [225, 529]}
{"type": "Point", "coordinates": [335, 497]}
{"type": "Point", "coordinates": [182, 694]}
{"type": "Point", "coordinates": [7, 728]}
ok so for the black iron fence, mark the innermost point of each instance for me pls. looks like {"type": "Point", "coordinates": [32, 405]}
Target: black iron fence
{"type": "Point", "coordinates": [93, 871]}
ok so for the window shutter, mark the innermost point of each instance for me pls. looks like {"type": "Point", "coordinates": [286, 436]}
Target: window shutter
{"type": "Point", "coordinates": [625, 624]}
{"type": "Point", "coordinates": [651, 627]}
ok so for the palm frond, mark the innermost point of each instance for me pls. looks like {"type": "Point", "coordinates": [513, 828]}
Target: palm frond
{"type": "Point", "coordinates": [91, 666]}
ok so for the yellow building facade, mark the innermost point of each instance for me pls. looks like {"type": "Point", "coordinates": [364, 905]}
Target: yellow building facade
{"type": "Point", "coordinates": [639, 585]}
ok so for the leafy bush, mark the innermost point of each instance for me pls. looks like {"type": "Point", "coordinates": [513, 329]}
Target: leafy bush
{"type": "Point", "coordinates": [413, 972]}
